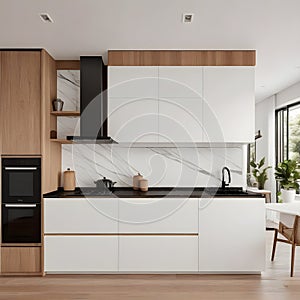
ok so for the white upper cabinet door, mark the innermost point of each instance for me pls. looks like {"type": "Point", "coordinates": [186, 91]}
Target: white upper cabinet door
{"type": "Point", "coordinates": [158, 215]}
{"type": "Point", "coordinates": [180, 82]}
{"type": "Point", "coordinates": [229, 104]}
{"type": "Point", "coordinates": [133, 120]}
{"type": "Point", "coordinates": [133, 82]}
{"type": "Point", "coordinates": [180, 120]}
{"type": "Point", "coordinates": [81, 215]}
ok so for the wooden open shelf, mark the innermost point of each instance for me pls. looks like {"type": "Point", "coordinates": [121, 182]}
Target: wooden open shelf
{"type": "Point", "coordinates": [66, 113]}
{"type": "Point", "coordinates": [61, 141]}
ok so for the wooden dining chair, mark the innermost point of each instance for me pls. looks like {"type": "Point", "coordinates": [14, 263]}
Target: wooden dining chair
{"type": "Point", "coordinates": [292, 236]}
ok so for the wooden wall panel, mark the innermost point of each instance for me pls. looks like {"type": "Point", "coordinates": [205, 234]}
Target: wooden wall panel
{"type": "Point", "coordinates": [68, 64]}
{"type": "Point", "coordinates": [51, 152]}
{"type": "Point", "coordinates": [181, 57]}
{"type": "Point", "coordinates": [20, 102]}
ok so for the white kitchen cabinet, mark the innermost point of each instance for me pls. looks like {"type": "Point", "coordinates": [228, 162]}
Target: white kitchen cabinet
{"type": "Point", "coordinates": [133, 120]}
{"type": "Point", "coordinates": [182, 82]}
{"type": "Point", "coordinates": [81, 215]}
{"type": "Point", "coordinates": [228, 104]}
{"type": "Point", "coordinates": [81, 254]}
{"type": "Point", "coordinates": [133, 82]}
{"type": "Point", "coordinates": [231, 235]}
{"type": "Point", "coordinates": [180, 120]}
{"type": "Point", "coordinates": [158, 215]}
{"type": "Point", "coordinates": [158, 254]}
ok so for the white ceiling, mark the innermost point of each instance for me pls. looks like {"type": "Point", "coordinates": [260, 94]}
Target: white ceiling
{"type": "Point", "coordinates": [91, 27]}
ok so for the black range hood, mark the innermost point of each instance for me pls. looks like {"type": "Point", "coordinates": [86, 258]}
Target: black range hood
{"type": "Point", "coordinates": [93, 101]}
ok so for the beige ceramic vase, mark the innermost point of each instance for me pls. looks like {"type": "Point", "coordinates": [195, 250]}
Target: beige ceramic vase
{"type": "Point", "coordinates": [135, 181]}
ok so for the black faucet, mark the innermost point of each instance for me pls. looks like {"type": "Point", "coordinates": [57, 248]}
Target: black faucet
{"type": "Point", "coordinates": [224, 184]}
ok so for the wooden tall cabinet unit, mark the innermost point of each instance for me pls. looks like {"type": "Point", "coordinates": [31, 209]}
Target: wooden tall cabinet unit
{"type": "Point", "coordinates": [20, 105]}
{"type": "Point", "coordinates": [27, 89]}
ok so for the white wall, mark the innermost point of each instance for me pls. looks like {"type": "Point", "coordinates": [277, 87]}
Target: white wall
{"type": "Point", "coordinates": [265, 121]}
{"type": "Point", "coordinates": [265, 146]}
{"type": "Point", "coordinates": [288, 95]}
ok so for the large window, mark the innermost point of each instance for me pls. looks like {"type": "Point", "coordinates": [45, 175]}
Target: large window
{"type": "Point", "coordinates": [288, 133]}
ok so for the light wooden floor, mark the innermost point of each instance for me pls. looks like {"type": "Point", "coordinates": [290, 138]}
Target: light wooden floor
{"type": "Point", "coordinates": [274, 284]}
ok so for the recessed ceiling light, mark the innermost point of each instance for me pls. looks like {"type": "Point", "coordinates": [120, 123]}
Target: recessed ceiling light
{"type": "Point", "coordinates": [46, 18]}
{"type": "Point", "coordinates": [187, 17]}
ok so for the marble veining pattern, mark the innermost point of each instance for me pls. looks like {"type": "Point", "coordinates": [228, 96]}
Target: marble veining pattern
{"type": "Point", "coordinates": [68, 89]}
{"type": "Point", "coordinates": [183, 167]}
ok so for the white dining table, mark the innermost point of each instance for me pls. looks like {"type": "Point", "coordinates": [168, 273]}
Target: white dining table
{"type": "Point", "coordinates": [285, 212]}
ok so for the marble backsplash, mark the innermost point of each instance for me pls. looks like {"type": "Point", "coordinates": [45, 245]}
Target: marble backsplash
{"type": "Point", "coordinates": [68, 90]}
{"type": "Point", "coordinates": [175, 167]}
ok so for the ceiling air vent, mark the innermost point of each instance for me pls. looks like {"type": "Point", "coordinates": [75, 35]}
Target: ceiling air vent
{"type": "Point", "coordinates": [46, 18]}
{"type": "Point", "coordinates": [187, 18]}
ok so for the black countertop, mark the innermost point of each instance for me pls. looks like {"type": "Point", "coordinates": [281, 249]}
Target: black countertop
{"type": "Point", "coordinates": [127, 192]}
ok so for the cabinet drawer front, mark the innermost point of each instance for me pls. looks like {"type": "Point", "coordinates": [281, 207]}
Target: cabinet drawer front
{"type": "Point", "coordinates": [21, 259]}
{"type": "Point", "coordinates": [133, 82]}
{"type": "Point", "coordinates": [158, 253]}
{"type": "Point", "coordinates": [155, 215]}
{"type": "Point", "coordinates": [81, 215]}
{"type": "Point", "coordinates": [81, 253]}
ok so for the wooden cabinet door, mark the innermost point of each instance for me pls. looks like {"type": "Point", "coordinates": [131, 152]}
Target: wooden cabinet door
{"type": "Point", "coordinates": [20, 260]}
{"type": "Point", "coordinates": [20, 108]}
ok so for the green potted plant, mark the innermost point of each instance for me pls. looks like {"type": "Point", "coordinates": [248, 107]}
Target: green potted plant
{"type": "Point", "coordinates": [287, 174]}
{"type": "Point", "coordinates": [260, 173]}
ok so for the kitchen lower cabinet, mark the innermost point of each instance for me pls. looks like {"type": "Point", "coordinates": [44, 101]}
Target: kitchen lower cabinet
{"type": "Point", "coordinates": [158, 215]}
{"type": "Point", "coordinates": [232, 235]}
{"type": "Point", "coordinates": [158, 253]}
{"type": "Point", "coordinates": [81, 254]}
{"type": "Point", "coordinates": [81, 215]}
{"type": "Point", "coordinates": [20, 260]}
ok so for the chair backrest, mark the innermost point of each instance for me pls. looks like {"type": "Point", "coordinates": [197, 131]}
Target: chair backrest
{"type": "Point", "coordinates": [296, 230]}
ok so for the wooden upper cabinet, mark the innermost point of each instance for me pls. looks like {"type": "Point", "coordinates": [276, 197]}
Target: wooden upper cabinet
{"type": "Point", "coordinates": [20, 107]}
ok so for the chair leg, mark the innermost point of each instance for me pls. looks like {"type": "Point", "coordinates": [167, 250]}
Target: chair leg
{"type": "Point", "coordinates": [293, 259]}
{"type": "Point", "coordinates": [274, 244]}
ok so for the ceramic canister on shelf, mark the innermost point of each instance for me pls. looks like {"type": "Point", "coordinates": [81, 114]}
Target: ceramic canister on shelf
{"type": "Point", "coordinates": [135, 181]}
{"type": "Point", "coordinates": [57, 104]}
{"type": "Point", "coordinates": [69, 180]}
{"type": "Point", "coordinates": [143, 185]}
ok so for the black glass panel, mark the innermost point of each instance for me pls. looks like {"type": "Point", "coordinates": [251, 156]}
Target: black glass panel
{"type": "Point", "coordinates": [21, 184]}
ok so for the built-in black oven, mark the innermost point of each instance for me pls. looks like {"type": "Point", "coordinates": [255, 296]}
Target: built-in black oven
{"type": "Point", "coordinates": [21, 180]}
{"type": "Point", "coordinates": [21, 223]}
{"type": "Point", "coordinates": [21, 200]}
